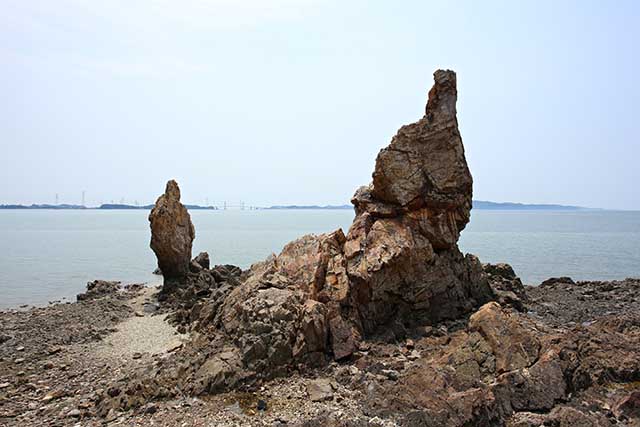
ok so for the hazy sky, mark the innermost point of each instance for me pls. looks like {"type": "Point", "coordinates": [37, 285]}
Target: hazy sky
{"type": "Point", "coordinates": [289, 101]}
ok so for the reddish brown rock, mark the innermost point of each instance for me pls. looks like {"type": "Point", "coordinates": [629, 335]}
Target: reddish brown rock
{"type": "Point", "coordinates": [397, 267]}
{"type": "Point", "coordinates": [172, 235]}
{"type": "Point", "coordinates": [398, 264]}
{"type": "Point", "coordinates": [402, 256]}
{"type": "Point", "coordinates": [514, 345]}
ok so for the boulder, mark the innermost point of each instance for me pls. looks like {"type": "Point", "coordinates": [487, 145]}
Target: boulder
{"type": "Point", "coordinates": [507, 287]}
{"type": "Point", "coordinates": [319, 390]}
{"type": "Point", "coordinates": [172, 235]}
{"type": "Point", "coordinates": [202, 260]}
{"type": "Point", "coordinates": [97, 289]}
{"type": "Point", "coordinates": [514, 345]}
{"type": "Point", "coordinates": [553, 280]}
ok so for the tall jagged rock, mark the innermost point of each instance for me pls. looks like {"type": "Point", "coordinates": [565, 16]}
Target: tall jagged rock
{"type": "Point", "coordinates": [399, 264]}
{"type": "Point", "coordinates": [401, 253]}
{"type": "Point", "coordinates": [172, 235]}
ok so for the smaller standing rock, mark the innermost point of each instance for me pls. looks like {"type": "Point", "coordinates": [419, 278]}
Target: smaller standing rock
{"type": "Point", "coordinates": [172, 235]}
{"type": "Point", "coordinates": [320, 390]}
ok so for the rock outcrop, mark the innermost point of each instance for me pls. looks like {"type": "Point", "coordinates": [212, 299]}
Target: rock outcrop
{"type": "Point", "coordinates": [394, 299]}
{"type": "Point", "coordinates": [97, 289]}
{"type": "Point", "coordinates": [506, 286]}
{"type": "Point", "coordinates": [398, 265]}
{"type": "Point", "coordinates": [505, 366]}
{"type": "Point", "coordinates": [172, 235]}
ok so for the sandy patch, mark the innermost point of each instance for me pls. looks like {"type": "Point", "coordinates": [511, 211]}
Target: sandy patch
{"type": "Point", "coordinates": [148, 334]}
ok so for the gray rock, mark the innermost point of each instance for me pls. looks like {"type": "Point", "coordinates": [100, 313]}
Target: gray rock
{"type": "Point", "coordinates": [320, 390]}
{"type": "Point", "coordinates": [203, 260]}
{"type": "Point", "coordinates": [74, 413]}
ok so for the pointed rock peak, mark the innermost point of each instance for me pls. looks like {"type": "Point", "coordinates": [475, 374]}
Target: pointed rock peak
{"type": "Point", "coordinates": [424, 165]}
{"type": "Point", "coordinates": [442, 96]}
{"type": "Point", "coordinates": [172, 190]}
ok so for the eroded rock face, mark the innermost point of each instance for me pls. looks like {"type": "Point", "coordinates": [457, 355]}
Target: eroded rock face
{"type": "Point", "coordinates": [398, 264]}
{"type": "Point", "coordinates": [172, 235]}
{"type": "Point", "coordinates": [398, 267]}
{"type": "Point", "coordinates": [425, 166]}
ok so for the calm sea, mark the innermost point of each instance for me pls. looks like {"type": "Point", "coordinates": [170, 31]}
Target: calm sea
{"type": "Point", "coordinates": [48, 254]}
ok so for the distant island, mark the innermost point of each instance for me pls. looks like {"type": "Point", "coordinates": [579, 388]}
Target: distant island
{"type": "Point", "coordinates": [148, 207]}
{"type": "Point", "coordinates": [477, 204]}
{"type": "Point", "coordinates": [34, 206]}
{"type": "Point", "coordinates": [310, 207]}
{"type": "Point", "coordinates": [508, 206]}
{"type": "Point", "coordinates": [106, 206]}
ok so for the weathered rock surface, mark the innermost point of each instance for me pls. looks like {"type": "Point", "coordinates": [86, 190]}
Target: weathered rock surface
{"type": "Point", "coordinates": [172, 235]}
{"type": "Point", "coordinates": [398, 264]}
{"type": "Point", "coordinates": [506, 368]}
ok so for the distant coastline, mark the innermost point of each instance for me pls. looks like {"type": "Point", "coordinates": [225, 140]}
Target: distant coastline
{"type": "Point", "coordinates": [477, 204]}
{"type": "Point", "coordinates": [327, 207]}
{"type": "Point", "coordinates": [106, 206]}
{"type": "Point", "coordinates": [509, 206]}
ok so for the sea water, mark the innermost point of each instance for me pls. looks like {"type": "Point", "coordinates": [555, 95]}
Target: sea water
{"type": "Point", "coordinates": [49, 255]}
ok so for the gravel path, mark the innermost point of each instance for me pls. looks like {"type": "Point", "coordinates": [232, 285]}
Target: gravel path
{"type": "Point", "coordinates": [137, 336]}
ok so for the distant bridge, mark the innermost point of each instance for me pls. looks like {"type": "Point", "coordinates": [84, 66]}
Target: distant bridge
{"type": "Point", "coordinates": [225, 205]}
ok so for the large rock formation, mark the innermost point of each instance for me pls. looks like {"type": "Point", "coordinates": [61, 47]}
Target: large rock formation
{"type": "Point", "coordinates": [561, 354]}
{"type": "Point", "coordinates": [399, 264]}
{"type": "Point", "coordinates": [172, 235]}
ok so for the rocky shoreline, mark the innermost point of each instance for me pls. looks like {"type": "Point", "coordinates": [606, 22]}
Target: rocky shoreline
{"type": "Point", "coordinates": [53, 368]}
{"type": "Point", "coordinates": [388, 324]}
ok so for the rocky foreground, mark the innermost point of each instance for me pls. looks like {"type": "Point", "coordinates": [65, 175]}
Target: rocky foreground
{"type": "Point", "coordinates": [387, 324]}
{"type": "Point", "coordinates": [571, 358]}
